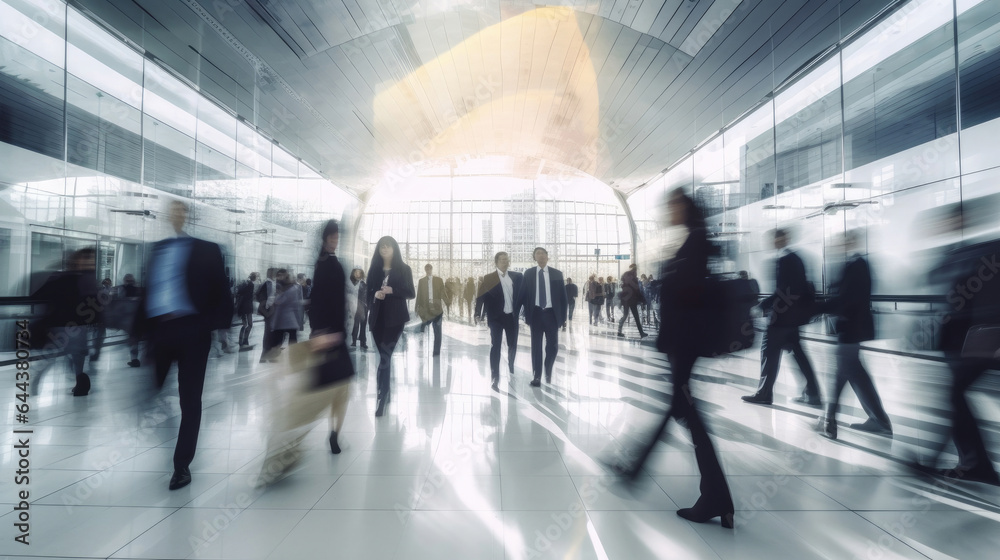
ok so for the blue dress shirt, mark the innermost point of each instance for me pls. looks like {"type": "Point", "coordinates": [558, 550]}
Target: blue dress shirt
{"type": "Point", "coordinates": [168, 293]}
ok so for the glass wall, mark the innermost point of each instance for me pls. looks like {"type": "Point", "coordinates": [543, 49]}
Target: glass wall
{"type": "Point", "coordinates": [890, 126]}
{"type": "Point", "coordinates": [96, 139]}
{"type": "Point", "coordinates": [458, 224]}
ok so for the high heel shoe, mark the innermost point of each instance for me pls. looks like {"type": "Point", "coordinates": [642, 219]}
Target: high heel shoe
{"type": "Point", "coordinates": [334, 448]}
{"type": "Point", "coordinates": [702, 513]}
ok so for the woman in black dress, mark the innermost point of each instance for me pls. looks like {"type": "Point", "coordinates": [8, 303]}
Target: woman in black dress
{"type": "Point", "coordinates": [390, 284]}
{"type": "Point", "coordinates": [682, 332]}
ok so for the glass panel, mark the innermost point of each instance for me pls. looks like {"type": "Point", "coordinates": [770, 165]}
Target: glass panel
{"type": "Point", "coordinates": [979, 60]}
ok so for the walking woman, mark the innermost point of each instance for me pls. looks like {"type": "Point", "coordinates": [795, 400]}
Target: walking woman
{"type": "Point", "coordinates": [357, 292]}
{"type": "Point", "coordinates": [390, 284]}
{"type": "Point", "coordinates": [288, 311]}
{"type": "Point", "coordinates": [683, 305]}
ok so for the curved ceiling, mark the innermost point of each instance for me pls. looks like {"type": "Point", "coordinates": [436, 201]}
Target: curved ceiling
{"type": "Point", "coordinates": [365, 89]}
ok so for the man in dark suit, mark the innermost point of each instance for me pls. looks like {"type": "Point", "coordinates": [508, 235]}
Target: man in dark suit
{"type": "Point", "coordinates": [788, 308]}
{"type": "Point", "coordinates": [855, 324]}
{"type": "Point", "coordinates": [431, 292]}
{"type": "Point", "coordinates": [544, 302]}
{"type": "Point", "coordinates": [500, 293]}
{"type": "Point", "coordinates": [186, 299]}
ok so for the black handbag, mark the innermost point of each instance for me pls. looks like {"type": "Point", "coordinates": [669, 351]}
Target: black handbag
{"type": "Point", "coordinates": [982, 342]}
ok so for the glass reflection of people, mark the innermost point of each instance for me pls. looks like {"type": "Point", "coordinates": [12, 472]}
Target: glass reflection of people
{"type": "Point", "coordinates": [469, 296]}
{"type": "Point", "coordinates": [186, 299]}
{"type": "Point", "coordinates": [357, 291]}
{"type": "Point", "coordinates": [244, 308]}
{"type": "Point", "coordinates": [682, 299]}
{"type": "Point", "coordinates": [390, 284]}
{"type": "Point", "coordinates": [128, 291]}
{"type": "Point", "coordinates": [852, 304]}
{"type": "Point", "coordinates": [500, 294]}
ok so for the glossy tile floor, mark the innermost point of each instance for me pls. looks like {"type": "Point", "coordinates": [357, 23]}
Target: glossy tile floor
{"type": "Point", "coordinates": [456, 471]}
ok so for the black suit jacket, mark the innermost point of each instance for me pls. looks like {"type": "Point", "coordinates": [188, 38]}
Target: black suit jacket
{"type": "Point", "coordinates": [788, 306]}
{"type": "Point", "coordinates": [328, 303]}
{"type": "Point", "coordinates": [852, 303]}
{"type": "Point", "coordinates": [207, 286]}
{"type": "Point", "coordinates": [557, 287]}
{"type": "Point", "coordinates": [391, 311]}
{"type": "Point", "coordinates": [491, 295]}
{"type": "Point", "coordinates": [683, 285]}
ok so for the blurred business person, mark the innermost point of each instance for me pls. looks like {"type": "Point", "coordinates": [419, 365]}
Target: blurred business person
{"type": "Point", "coordinates": [790, 307]}
{"type": "Point", "coordinates": [186, 299]}
{"type": "Point", "coordinates": [431, 293]}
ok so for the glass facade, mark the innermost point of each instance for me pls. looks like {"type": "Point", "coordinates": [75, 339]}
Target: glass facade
{"type": "Point", "coordinates": [458, 224]}
{"type": "Point", "coordinates": [891, 125]}
{"type": "Point", "coordinates": [96, 138]}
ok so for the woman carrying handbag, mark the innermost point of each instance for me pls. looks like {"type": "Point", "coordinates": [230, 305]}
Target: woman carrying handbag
{"type": "Point", "coordinates": [390, 284]}
{"type": "Point", "coordinates": [324, 362]}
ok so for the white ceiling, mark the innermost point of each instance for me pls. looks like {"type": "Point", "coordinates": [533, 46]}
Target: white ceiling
{"type": "Point", "coordinates": [618, 89]}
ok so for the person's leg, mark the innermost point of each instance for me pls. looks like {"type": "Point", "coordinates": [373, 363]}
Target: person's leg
{"type": "Point", "coordinates": [436, 323]}
{"type": "Point", "coordinates": [390, 337]}
{"type": "Point", "coordinates": [363, 335]}
{"type": "Point", "coordinates": [621, 324]}
{"type": "Point", "coordinates": [537, 331]}
{"type": "Point", "coordinates": [864, 387]}
{"type": "Point", "coordinates": [972, 454]}
{"type": "Point", "coordinates": [496, 333]}
{"type": "Point", "coordinates": [812, 385]}
{"type": "Point", "coordinates": [191, 362]}
{"type": "Point", "coordinates": [572, 306]}
{"type": "Point", "coordinates": [292, 336]}
{"type": "Point", "coordinates": [551, 342]}
{"type": "Point", "coordinates": [715, 498]}
{"type": "Point", "coordinates": [354, 329]}
{"type": "Point", "coordinates": [341, 397]}
{"type": "Point", "coordinates": [840, 379]}
{"type": "Point", "coordinates": [510, 327]}
{"type": "Point", "coordinates": [770, 360]}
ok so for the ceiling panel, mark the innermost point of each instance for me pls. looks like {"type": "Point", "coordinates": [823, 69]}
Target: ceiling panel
{"type": "Point", "coordinates": [619, 89]}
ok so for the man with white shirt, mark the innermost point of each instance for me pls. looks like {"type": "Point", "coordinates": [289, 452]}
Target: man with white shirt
{"type": "Point", "coordinates": [545, 304]}
{"type": "Point", "coordinates": [500, 292]}
{"type": "Point", "coordinates": [431, 292]}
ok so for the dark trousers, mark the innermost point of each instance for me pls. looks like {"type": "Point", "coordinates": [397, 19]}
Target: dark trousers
{"type": "Point", "coordinates": [972, 455]}
{"type": "Point", "coordinates": [635, 313]}
{"type": "Point", "coordinates": [436, 324]}
{"type": "Point", "coordinates": [775, 340]}
{"type": "Point", "coordinates": [714, 488]}
{"type": "Point", "coordinates": [851, 370]}
{"type": "Point", "coordinates": [385, 339]}
{"type": "Point", "coordinates": [278, 337]}
{"type": "Point", "coordinates": [543, 323]}
{"type": "Point", "coordinates": [265, 343]}
{"type": "Point", "coordinates": [572, 306]}
{"type": "Point", "coordinates": [359, 328]}
{"type": "Point", "coordinates": [187, 342]}
{"type": "Point", "coordinates": [506, 323]}
{"type": "Point", "coordinates": [247, 319]}
{"type": "Point", "coordinates": [479, 310]}
{"type": "Point", "coordinates": [609, 308]}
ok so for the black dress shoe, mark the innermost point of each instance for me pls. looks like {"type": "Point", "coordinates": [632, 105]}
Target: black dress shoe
{"type": "Point", "coordinates": [703, 512]}
{"type": "Point", "coordinates": [757, 399]}
{"type": "Point", "coordinates": [548, 379]}
{"type": "Point", "coordinates": [181, 478]}
{"type": "Point", "coordinates": [495, 386]}
{"type": "Point", "coordinates": [828, 429]}
{"type": "Point", "coordinates": [334, 447]}
{"type": "Point", "coordinates": [536, 382]}
{"type": "Point", "coordinates": [380, 407]}
{"type": "Point", "coordinates": [82, 388]}
{"type": "Point", "coordinates": [621, 334]}
{"type": "Point", "coordinates": [957, 473]}
{"type": "Point", "coordinates": [872, 427]}
{"type": "Point", "coordinates": [808, 401]}
{"type": "Point", "coordinates": [134, 363]}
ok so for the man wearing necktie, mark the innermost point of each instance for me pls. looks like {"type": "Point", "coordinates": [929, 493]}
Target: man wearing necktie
{"type": "Point", "coordinates": [544, 301]}
{"type": "Point", "coordinates": [187, 298]}
{"type": "Point", "coordinates": [500, 293]}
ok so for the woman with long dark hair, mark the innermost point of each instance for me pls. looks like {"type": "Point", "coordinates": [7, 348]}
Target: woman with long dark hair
{"type": "Point", "coordinates": [682, 332]}
{"type": "Point", "coordinates": [390, 284]}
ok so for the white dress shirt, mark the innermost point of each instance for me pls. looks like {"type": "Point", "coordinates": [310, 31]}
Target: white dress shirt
{"type": "Point", "coordinates": [430, 288]}
{"type": "Point", "coordinates": [543, 279]}
{"type": "Point", "coordinates": [508, 291]}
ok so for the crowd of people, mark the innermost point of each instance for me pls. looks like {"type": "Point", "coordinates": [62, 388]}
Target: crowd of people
{"type": "Point", "coordinates": [188, 301]}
